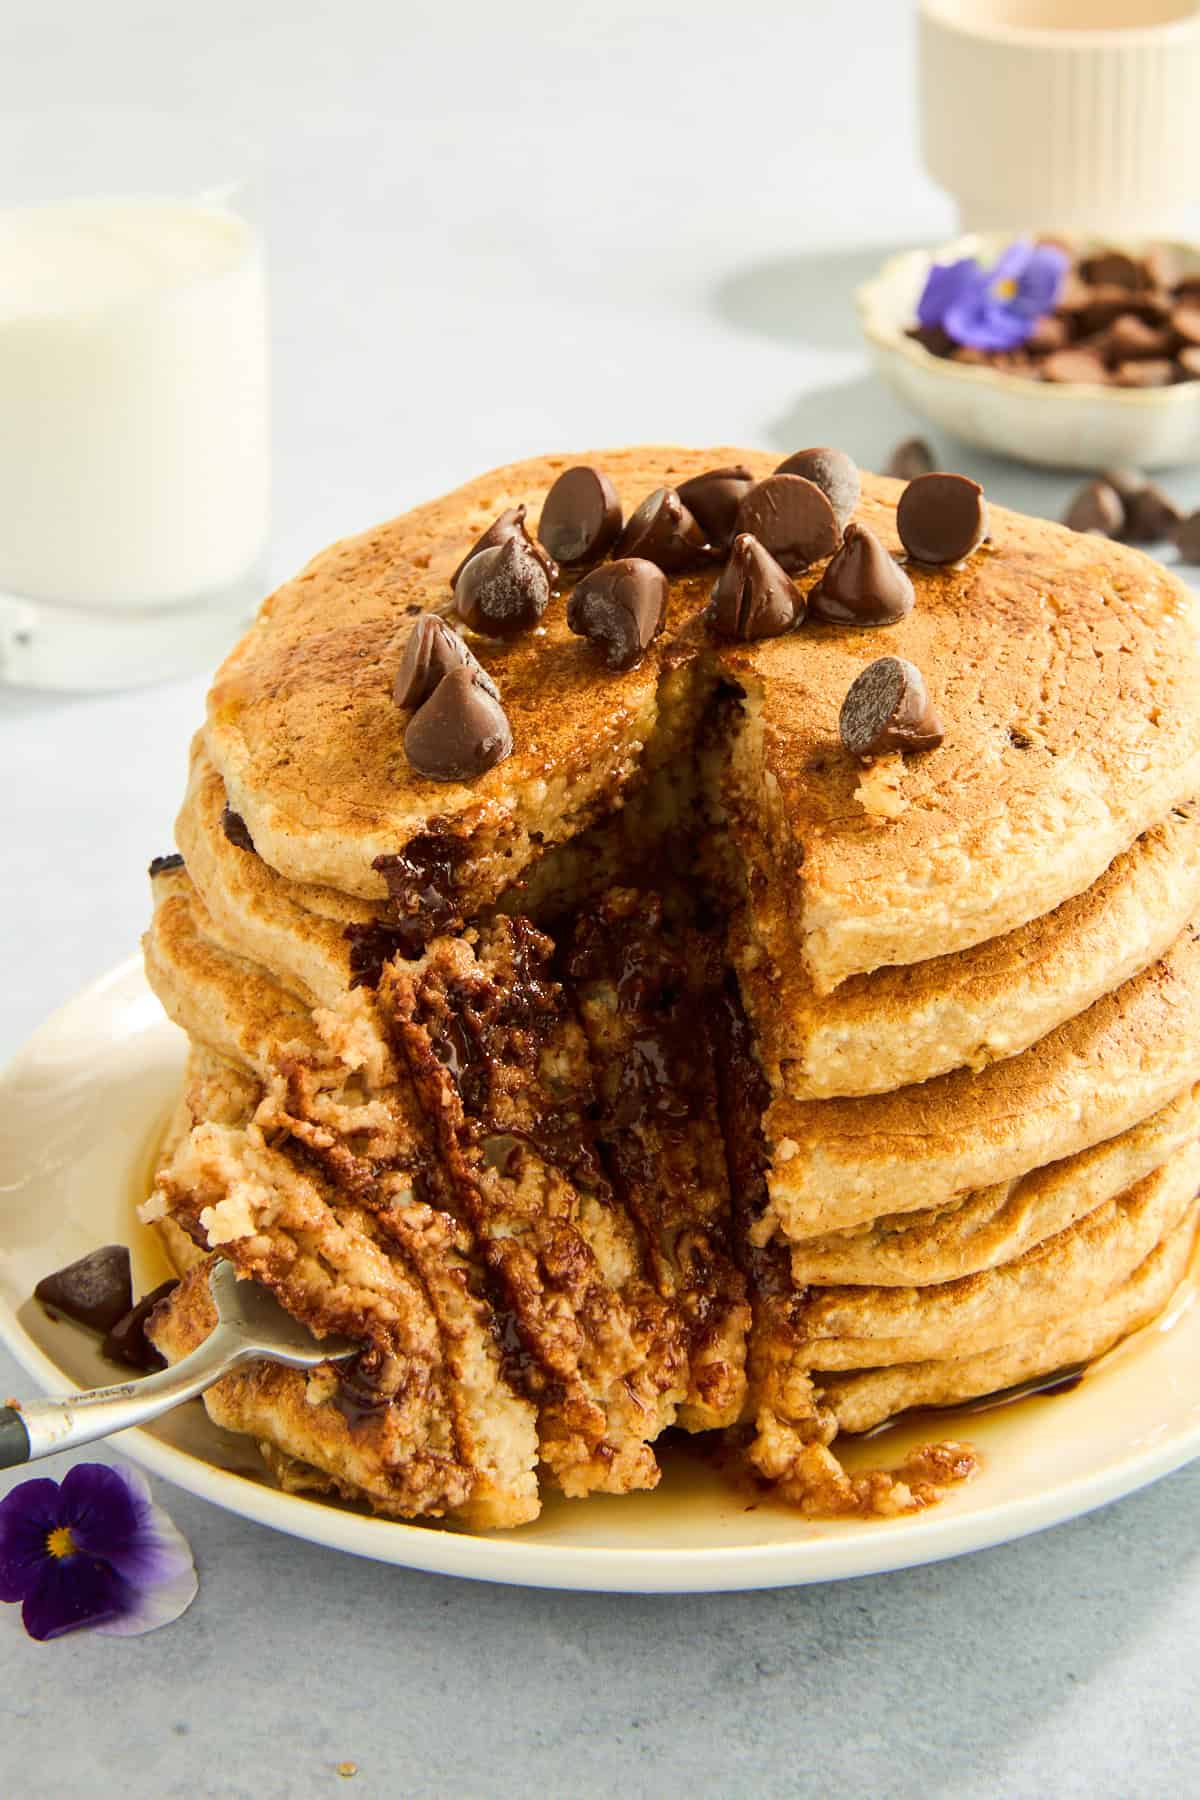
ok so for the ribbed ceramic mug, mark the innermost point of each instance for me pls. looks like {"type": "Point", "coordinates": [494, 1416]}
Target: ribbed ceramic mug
{"type": "Point", "coordinates": [1073, 115]}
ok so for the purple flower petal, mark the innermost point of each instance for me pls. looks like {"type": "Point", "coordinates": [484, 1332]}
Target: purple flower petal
{"type": "Point", "coordinates": [1011, 263]}
{"type": "Point", "coordinates": [27, 1517]}
{"type": "Point", "coordinates": [121, 1567]}
{"type": "Point", "coordinates": [945, 284]}
{"type": "Point", "coordinates": [985, 323]}
{"type": "Point", "coordinates": [1041, 279]}
{"type": "Point", "coordinates": [157, 1552]}
{"type": "Point", "coordinates": [70, 1592]}
{"type": "Point", "coordinates": [98, 1508]}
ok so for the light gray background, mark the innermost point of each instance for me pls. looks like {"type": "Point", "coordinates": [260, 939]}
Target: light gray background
{"type": "Point", "coordinates": [494, 231]}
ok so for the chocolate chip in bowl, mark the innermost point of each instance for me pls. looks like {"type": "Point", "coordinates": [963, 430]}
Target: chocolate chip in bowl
{"type": "Point", "coordinates": [1079, 383]}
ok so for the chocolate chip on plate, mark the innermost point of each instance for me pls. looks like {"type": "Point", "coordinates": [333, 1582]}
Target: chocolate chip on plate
{"type": "Point", "coordinates": [127, 1341]}
{"type": "Point", "coordinates": [1096, 507]}
{"type": "Point", "coordinates": [663, 531]}
{"type": "Point", "coordinates": [236, 830]}
{"type": "Point", "coordinates": [862, 584]}
{"type": "Point", "coordinates": [753, 597]}
{"type": "Point", "coordinates": [97, 1290]}
{"type": "Point", "coordinates": [835, 473]}
{"type": "Point", "coordinates": [713, 500]}
{"type": "Point", "coordinates": [619, 607]}
{"type": "Point", "coordinates": [792, 518]}
{"type": "Point", "coordinates": [1187, 538]}
{"type": "Point", "coordinates": [942, 518]}
{"type": "Point", "coordinates": [510, 524]}
{"type": "Point", "coordinates": [503, 591]}
{"type": "Point", "coordinates": [431, 650]}
{"type": "Point", "coordinates": [461, 730]}
{"type": "Point", "coordinates": [581, 515]}
{"type": "Point", "coordinates": [911, 458]}
{"type": "Point", "coordinates": [888, 708]}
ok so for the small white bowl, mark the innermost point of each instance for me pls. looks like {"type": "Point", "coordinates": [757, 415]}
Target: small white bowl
{"type": "Point", "coordinates": [1078, 425]}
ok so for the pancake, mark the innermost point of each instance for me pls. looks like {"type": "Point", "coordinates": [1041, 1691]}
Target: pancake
{"type": "Point", "coordinates": [859, 1401]}
{"type": "Point", "coordinates": [998, 1224]}
{"type": "Point", "coordinates": [253, 912]}
{"type": "Point", "coordinates": [897, 1026]}
{"type": "Point", "coordinates": [839, 1163]}
{"type": "Point", "coordinates": [1065, 665]}
{"type": "Point", "coordinates": [1066, 1275]}
{"type": "Point", "coordinates": [681, 1069]}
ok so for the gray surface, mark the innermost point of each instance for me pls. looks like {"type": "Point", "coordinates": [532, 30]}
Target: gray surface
{"type": "Point", "coordinates": [493, 232]}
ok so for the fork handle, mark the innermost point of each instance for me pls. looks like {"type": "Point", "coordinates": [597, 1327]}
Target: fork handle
{"type": "Point", "coordinates": [43, 1427]}
{"type": "Point", "coordinates": [14, 1438]}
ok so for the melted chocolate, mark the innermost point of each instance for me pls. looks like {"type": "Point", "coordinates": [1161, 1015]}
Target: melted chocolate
{"type": "Point", "coordinates": [421, 882]}
{"type": "Point", "coordinates": [161, 864]}
{"type": "Point", "coordinates": [235, 829]}
{"type": "Point", "coordinates": [371, 946]}
{"type": "Point", "coordinates": [357, 1395]}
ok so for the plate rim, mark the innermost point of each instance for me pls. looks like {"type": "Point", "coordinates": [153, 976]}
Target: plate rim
{"type": "Point", "coordinates": [870, 1548]}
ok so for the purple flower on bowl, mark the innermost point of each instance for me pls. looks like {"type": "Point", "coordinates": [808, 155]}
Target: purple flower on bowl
{"type": "Point", "coordinates": [996, 308]}
{"type": "Point", "coordinates": [94, 1552]}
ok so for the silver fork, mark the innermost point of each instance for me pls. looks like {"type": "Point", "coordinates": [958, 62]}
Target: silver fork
{"type": "Point", "coordinates": [251, 1327]}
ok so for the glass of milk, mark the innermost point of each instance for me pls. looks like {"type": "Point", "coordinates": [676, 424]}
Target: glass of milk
{"type": "Point", "coordinates": [134, 445]}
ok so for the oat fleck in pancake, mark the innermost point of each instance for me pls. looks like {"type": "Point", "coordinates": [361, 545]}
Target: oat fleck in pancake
{"type": "Point", "coordinates": [613, 1029]}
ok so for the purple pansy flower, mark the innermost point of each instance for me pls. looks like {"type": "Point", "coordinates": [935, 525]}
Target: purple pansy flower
{"type": "Point", "coordinates": [996, 308]}
{"type": "Point", "coordinates": [94, 1552]}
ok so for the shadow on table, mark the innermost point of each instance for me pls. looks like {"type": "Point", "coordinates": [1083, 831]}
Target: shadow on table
{"type": "Point", "coordinates": [803, 299]}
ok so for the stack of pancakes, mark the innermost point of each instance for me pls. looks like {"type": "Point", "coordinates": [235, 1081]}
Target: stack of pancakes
{"type": "Point", "coordinates": [679, 1070]}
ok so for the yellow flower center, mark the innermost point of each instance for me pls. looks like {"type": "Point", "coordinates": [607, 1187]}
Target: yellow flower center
{"type": "Point", "coordinates": [1004, 290]}
{"type": "Point", "coordinates": [60, 1543]}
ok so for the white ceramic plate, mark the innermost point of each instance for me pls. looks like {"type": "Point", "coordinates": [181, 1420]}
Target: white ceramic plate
{"type": "Point", "coordinates": [1068, 425]}
{"type": "Point", "coordinates": [81, 1112]}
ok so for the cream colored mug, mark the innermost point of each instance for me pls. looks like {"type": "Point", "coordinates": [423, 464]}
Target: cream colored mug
{"type": "Point", "coordinates": [1072, 115]}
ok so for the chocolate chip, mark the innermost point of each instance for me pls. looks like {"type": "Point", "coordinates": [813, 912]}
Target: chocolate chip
{"type": "Point", "coordinates": [97, 1290]}
{"type": "Point", "coordinates": [1096, 507]}
{"type": "Point", "coordinates": [753, 597]}
{"type": "Point", "coordinates": [1185, 322]}
{"type": "Point", "coordinates": [510, 524]}
{"type": "Point", "coordinates": [1188, 361]}
{"type": "Point", "coordinates": [835, 473]}
{"type": "Point", "coordinates": [862, 584]}
{"type": "Point", "coordinates": [713, 500]}
{"type": "Point", "coordinates": [1073, 365]}
{"type": "Point", "coordinates": [888, 708]}
{"type": "Point", "coordinates": [460, 731]}
{"type": "Point", "coordinates": [503, 591]}
{"type": "Point", "coordinates": [619, 607]}
{"type": "Point", "coordinates": [1150, 374]}
{"type": "Point", "coordinates": [127, 1341]}
{"type": "Point", "coordinates": [161, 865]}
{"type": "Point", "coordinates": [663, 531]}
{"type": "Point", "coordinates": [431, 650]}
{"type": "Point", "coordinates": [942, 518]}
{"type": "Point", "coordinates": [1187, 538]}
{"type": "Point", "coordinates": [236, 830]}
{"type": "Point", "coordinates": [1049, 333]}
{"type": "Point", "coordinates": [911, 458]}
{"type": "Point", "coordinates": [1112, 268]}
{"type": "Point", "coordinates": [792, 518]}
{"type": "Point", "coordinates": [581, 515]}
{"type": "Point", "coordinates": [1150, 515]}
{"type": "Point", "coordinates": [1128, 338]}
